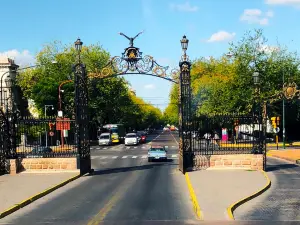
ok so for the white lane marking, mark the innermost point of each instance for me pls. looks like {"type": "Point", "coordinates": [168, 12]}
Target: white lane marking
{"type": "Point", "coordinates": [125, 156]}
{"type": "Point", "coordinates": [114, 157]}
{"type": "Point", "coordinates": [98, 148]}
{"type": "Point", "coordinates": [173, 146]}
{"type": "Point", "coordinates": [127, 147]}
{"type": "Point", "coordinates": [94, 157]}
{"type": "Point", "coordinates": [143, 147]}
{"type": "Point", "coordinates": [144, 156]}
{"type": "Point", "coordinates": [104, 148]}
{"type": "Point", "coordinates": [134, 147]}
{"type": "Point", "coordinates": [134, 156]}
{"type": "Point", "coordinates": [103, 157]}
{"type": "Point", "coordinates": [174, 138]}
{"type": "Point", "coordinates": [174, 156]}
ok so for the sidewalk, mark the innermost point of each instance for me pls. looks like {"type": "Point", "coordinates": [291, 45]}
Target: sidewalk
{"type": "Point", "coordinates": [292, 155]}
{"type": "Point", "coordinates": [216, 190]}
{"type": "Point", "coordinates": [17, 188]}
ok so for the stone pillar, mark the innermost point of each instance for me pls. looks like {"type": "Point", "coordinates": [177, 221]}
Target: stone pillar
{"type": "Point", "coordinates": [12, 167]}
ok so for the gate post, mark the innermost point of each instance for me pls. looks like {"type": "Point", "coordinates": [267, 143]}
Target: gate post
{"type": "Point", "coordinates": [185, 143]}
{"type": "Point", "coordinates": [82, 141]}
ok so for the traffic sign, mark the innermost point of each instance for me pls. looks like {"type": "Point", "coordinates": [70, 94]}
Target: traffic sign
{"type": "Point", "coordinates": [51, 133]}
{"type": "Point", "coordinates": [62, 124]}
{"type": "Point", "coordinates": [276, 130]}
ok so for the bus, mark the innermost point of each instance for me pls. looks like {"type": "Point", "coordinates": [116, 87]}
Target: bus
{"type": "Point", "coordinates": [117, 132]}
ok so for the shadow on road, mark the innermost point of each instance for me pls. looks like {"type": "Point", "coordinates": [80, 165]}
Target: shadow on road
{"type": "Point", "coordinates": [280, 167]}
{"type": "Point", "coordinates": [131, 168]}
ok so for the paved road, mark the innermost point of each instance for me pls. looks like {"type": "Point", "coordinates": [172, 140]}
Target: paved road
{"type": "Point", "coordinates": [122, 190]}
{"type": "Point", "coordinates": [282, 201]}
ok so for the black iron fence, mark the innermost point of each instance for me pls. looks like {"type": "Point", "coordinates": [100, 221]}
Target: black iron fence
{"type": "Point", "coordinates": [45, 137]}
{"type": "Point", "coordinates": [226, 134]}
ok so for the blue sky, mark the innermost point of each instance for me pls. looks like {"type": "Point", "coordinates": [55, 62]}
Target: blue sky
{"type": "Point", "coordinates": [209, 25]}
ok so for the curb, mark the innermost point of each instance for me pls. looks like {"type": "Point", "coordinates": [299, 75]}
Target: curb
{"type": "Point", "coordinates": [196, 206]}
{"type": "Point", "coordinates": [233, 206]}
{"type": "Point", "coordinates": [36, 197]}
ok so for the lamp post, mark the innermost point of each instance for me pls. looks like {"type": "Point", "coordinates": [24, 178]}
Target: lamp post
{"type": "Point", "coordinates": [185, 144]}
{"type": "Point", "coordinates": [283, 115]}
{"type": "Point", "coordinates": [60, 112]}
{"type": "Point", "coordinates": [81, 112]}
{"type": "Point", "coordinates": [256, 113]}
{"type": "Point", "coordinates": [78, 47]}
{"type": "Point", "coordinates": [46, 133]}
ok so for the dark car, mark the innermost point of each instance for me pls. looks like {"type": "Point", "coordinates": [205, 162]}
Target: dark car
{"type": "Point", "coordinates": [40, 152]}
{"type": "Point", "coordinates": [143, 136]}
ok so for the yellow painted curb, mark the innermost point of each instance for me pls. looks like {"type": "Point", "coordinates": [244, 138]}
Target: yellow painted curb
{"type": "Point", "coordinates": [35, 197]}
{"type": "Point", "coordinates": [233, 206]}
{"type": "Point", "coordinates": [193, 197]}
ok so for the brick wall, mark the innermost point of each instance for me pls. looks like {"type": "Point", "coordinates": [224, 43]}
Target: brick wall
{"type": "Point", "coordinates": [44, 164]}
{"type": "Point", "coordinates": [245, 161]}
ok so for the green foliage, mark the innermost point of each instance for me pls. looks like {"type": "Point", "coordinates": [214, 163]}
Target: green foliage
{"type": "Point", "coordinates": [110, 100]}
{"type": "Point", "coordinates": [171, 112]}
{"type": "Point", "coordinates": [225, 85]}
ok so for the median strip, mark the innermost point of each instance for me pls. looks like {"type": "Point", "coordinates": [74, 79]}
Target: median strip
{"type": "Point", "coordinates": [35, 197]}
{"type": "Point", "coordinates": [233, 206]}
{"type": "Point", "coordinates": [195, 203]}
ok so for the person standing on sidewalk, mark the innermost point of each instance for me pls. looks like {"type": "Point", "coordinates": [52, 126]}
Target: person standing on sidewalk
{"type": "Point", "coordinates": [207, 137]}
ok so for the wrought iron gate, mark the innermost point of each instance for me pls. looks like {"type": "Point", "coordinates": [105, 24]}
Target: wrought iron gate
{"type": "Point", "coordinates": [4, 140]}
{"type": "Point", "coordinates": [82, 119]}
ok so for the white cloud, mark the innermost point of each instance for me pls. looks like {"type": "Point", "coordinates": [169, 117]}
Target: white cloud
{"type": "Point", "coordinates": [295, 3]}
{"type": "Point", "coordinates": [149, 86]}
{"type": "Point", "coordinates": [23, 58]}
{"type": "Point", "coordinates": [252, 16]}
{"type": "Point", "coordinates": [268, 48]}
{"type": "Point", "coordinates": [185, 7]}
{"type": "Point", "coordinates": [221, 36]}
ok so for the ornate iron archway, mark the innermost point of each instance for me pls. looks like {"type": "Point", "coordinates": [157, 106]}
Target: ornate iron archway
{"type": "Point", "coordinates": [132, 61]}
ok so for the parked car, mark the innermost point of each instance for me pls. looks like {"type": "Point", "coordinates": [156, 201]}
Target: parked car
{"type": "Point", "coordinates": [105, 139]}
{"type": "Point", "coordinates": [131, 139]}
{"type": "Point", "coordinates": [143, 136]}
{"type": "Point", "coordinates": [157, 153]}
{"type": "Point", "coordinates": [40, 152]}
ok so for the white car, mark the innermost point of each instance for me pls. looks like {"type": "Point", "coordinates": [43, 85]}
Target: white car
{"type": "Point", "coordinates": [131, 139]}
{"type": "Point", "coordinates": [105, 139]}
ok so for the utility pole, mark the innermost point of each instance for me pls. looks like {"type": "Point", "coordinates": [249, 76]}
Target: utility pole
{"type": "Point", "coordinates": [283, 116]}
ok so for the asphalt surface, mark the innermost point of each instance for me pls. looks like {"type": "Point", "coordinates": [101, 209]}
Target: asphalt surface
{"type": "Point", "coordinates": [126, 189]}
{"type": "Point", "coordinates": [282, 201]}
{"type": "Point", "coordinates": [121, 191]}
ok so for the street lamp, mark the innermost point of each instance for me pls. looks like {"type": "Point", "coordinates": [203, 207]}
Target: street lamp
{"type": "Point", "coordinates": [78, 45]}
{"type": "Point", "coordinates": [256, 78]}
{"type": "Point", "coordinates": [184, 45]}
{"type": "Point", "coordinates": [46, 133]}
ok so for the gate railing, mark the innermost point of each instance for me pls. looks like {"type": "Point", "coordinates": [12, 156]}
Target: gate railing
{"type": "Point", "coordinates": [227, 134]}
{"type": "Point", "coordinates": [43, 138]}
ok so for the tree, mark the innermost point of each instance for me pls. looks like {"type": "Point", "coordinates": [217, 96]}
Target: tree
{"type": "Point", "coordinates": [171, 112]}
{"type": "Point", "coordinates": [110, 100]}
